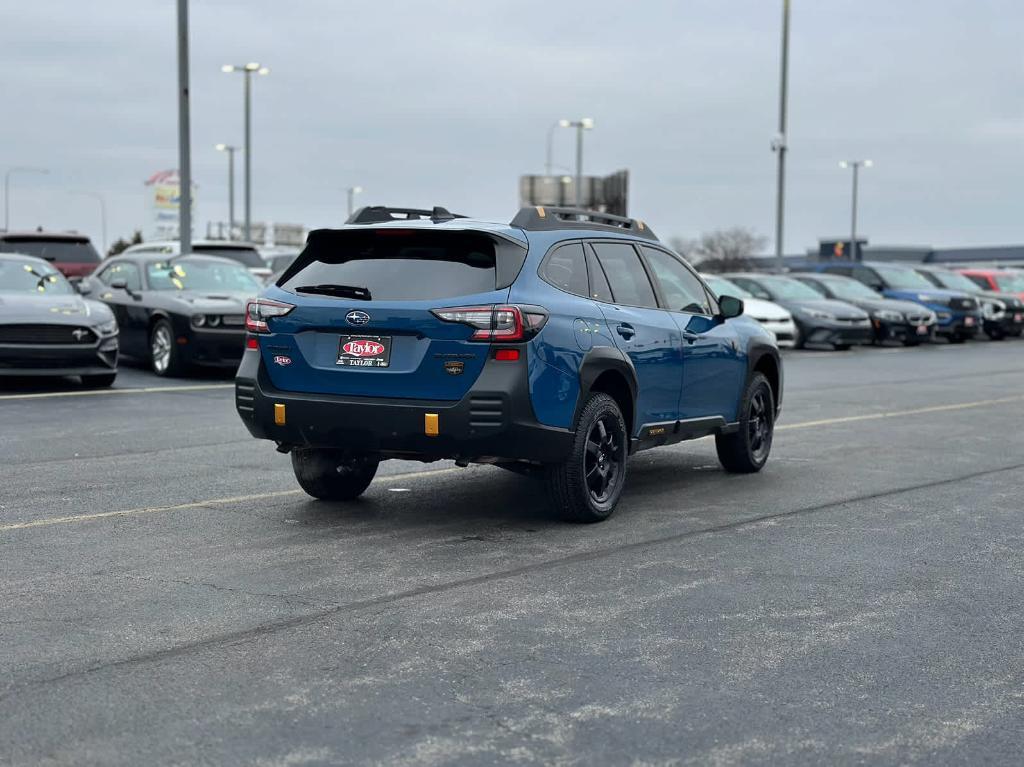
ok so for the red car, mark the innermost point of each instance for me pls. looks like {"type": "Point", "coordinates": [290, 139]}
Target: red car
{"type": "Point", "coordinates": [71, 254]}
{"type": "Point", "coordinates": [998, 280]}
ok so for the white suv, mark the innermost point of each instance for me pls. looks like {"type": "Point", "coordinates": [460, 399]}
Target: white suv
{"type": "Point", "coordinates": [774, 317]}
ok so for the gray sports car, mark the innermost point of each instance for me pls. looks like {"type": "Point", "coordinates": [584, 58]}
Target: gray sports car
{"type": "Point", "coordinates": [47, 329]}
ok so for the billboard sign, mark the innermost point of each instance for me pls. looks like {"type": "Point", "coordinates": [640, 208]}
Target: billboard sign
{"type": "Point", "coordinates": [163, 201]}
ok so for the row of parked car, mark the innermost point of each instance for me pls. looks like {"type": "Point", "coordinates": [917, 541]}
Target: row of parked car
{"type": "Point", "coordinates": [65, 311]}
{"type": "Point", "coordinates": [842, 304]}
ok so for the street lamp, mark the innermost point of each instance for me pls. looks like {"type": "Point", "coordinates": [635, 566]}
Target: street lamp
{"type": "Point", "coordinates": [248, 70]}
{"type": "Point", "coordinates": [856, 165]}
{"type": "Point", "coordinates": [352, 192]}
{"type": "Point", "coordinates": [581, 125]}
{"type": "Point", "coordinates": [231, 186]}
{"type": "Point", "coordinates": [7, 190]}
{"type": "Point", "coordinates": [103, 213]}
{"type": "Point", "coordinates": [779, 142]}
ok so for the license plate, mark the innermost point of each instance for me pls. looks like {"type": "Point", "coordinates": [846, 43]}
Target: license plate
{"type": "Point", "coordinates": [364, 351]}
{"type": "Point", "coordinates": [922, 330]}
{"type": "Point", "coordinates": [968, 322]}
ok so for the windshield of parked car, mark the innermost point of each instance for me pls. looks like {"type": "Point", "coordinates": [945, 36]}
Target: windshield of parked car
{"type": "Point", "coordinates": [1010, 282]}
{"type": "Point", "coordinates": [955, 281]}
{"type": "Point", "coordinates": [211, 276]}
{"type": "Point", "coordinates": [850, 289]}
{"type": "Point", "coordinates": [59, 250]}
{"type": "Point", "coordinates": [788, 289]}
{"type": "Point", "coordinates": [902, 278]}
{"type": "Point", "coordinates": [723, 287]}
{"type": "Point", "coordinates": [17, 276]}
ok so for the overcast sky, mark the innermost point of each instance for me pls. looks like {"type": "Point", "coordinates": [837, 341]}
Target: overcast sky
{"type": "Point", "coordinates": [447, 102]}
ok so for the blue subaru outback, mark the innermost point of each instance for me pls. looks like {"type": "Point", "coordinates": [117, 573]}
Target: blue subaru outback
{"type": "Point", "coordinates": [558, 344]}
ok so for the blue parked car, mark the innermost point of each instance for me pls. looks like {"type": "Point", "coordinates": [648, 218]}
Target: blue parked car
{"type": "Point", "coordinates": [558, 344]}
{"type": "Point", "coordinates": [959, 315]}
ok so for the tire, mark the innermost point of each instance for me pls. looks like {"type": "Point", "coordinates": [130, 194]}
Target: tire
{"type": "Point", "coordinates": [587, 486]}
{"type": "Point", "coordinates": [746, 450]}
{"type": "Point", "coordinates": [333, 475]}
{"type": "Point", "coordinates": [99, 381]}
{"type": "Point", "coordinates": [164, 356]}
{"type": "Point", "coordinates": [996, 335]}
{"type": "Point", "coordinates": [957, 338]}
{"type": "Point", "coordinates": [841, 347]}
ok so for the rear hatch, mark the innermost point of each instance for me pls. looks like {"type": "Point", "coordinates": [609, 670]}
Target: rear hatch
{"type": "Point", "coordinates": [73, 255]}
{"type": "Point", "coordinates": [364, 322]}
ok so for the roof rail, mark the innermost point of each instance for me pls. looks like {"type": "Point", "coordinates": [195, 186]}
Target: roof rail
{"type": "Point", "coordinates": [379, 214]}
{"type": "Point", "coordinates": [538, 218]}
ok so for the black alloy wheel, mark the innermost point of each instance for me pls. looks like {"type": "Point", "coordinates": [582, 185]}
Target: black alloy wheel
{"type": "Point", "coordinates": [746, 450]}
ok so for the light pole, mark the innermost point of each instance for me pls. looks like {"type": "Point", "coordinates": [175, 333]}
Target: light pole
{"type": "Point", "coordinates": [7, 190]}
{"type": "Point", "coordinates": [248, 70]}
{"type": "Point", "coordinates": [581, 125]}
{"type": "Point", "coordinates": [231, 186]}
{"type": "Point", "coordinates": [184, 134]}
{"type": "Point", "coordinates": [352, 192]}
{"type": "Point", "coordinates": [856, 165]}
{"type": "Point", "coordinates": [103, 214]}
{"type": "Point", "coordinates": [779, 143]}
{"type": "Point", "coordinates": [551, 138]}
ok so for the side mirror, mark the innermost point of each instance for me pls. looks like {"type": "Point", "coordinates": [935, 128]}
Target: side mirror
{"type": "Point", "coordinates": [119, 284]}
{"type": "Point", "coordinates": [83, 286]}
{"type": "Point", "coordinates": [730, 307]}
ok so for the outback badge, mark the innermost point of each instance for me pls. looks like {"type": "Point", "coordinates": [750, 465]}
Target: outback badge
{"type": "Point", "coordinates": [454, 367]}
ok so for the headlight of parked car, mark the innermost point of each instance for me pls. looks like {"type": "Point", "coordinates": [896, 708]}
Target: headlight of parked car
{"type": "Point", "coordinates": [993, 310]}
{"type": "Point", "coordinates": [207, 320]}
{"type": "Point", "coordinates": [819, 314]}
{"type": "Point", "coordinates": [889, 315]}
{"type": "Point", "coordinates": [108, 328]}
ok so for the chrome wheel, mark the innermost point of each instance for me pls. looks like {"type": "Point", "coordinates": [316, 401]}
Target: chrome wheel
{"type": "Point", "coordinates": [759, 424]}
{"type": "Point", "coordinates": [604, 458]}
{"type": "Point", "coordinates": [160, 348]}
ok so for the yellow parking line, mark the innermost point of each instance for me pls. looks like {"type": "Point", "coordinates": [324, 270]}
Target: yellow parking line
{"type": "Point", "coordinates": [97, 392]}
{"type": "Point", "coordinates": [199, 504]}
{"type": "Point", "coordinates": [435, 472]}
{"type": "Point", "coordinates": [900, 413]}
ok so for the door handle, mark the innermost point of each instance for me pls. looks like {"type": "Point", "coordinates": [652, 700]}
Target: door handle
{"type": "Point", "coordinates": [691, 338]}
{"type": "Point", "coordinates": [625, 330]}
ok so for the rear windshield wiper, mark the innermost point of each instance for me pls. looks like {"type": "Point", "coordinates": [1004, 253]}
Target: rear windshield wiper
{"type": "Point", "coordinates": [344, 291]}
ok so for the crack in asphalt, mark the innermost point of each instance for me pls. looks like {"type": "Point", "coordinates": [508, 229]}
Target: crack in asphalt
{"type": "Point", "coordinates": [255, 632]}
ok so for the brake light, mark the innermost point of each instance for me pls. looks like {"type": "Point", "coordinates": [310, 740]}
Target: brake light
{"type": "Point", "coordinates": [496, 323]}
{"type": "Point", "coordinates": [262, 309]}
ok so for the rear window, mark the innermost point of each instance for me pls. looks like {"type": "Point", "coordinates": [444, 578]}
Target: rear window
{"type": "Point", "coordinates": [60, 250]}
{"type": "Point", "coordinates": [405, 265]}
{"type": "Point", "coordinates": [248, 256]}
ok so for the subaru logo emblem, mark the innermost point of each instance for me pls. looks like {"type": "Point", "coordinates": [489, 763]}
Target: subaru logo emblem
{"type": "Point", "coordinates": [357, 318]}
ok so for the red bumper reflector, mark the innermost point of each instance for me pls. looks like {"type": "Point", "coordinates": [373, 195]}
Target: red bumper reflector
{"type": "Point", "coordinates": [252, 343]}
{"type": "Point", "coordinates": [506, 355]}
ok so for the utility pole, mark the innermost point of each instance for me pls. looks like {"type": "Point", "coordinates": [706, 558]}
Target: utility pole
{"type": "Point", "coordinates": [779, 144]}
{"type": "Point", "coordinates": [184, 140]}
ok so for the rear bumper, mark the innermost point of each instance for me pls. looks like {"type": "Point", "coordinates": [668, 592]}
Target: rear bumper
{"type": "Point", "coordinates": [59, 359]}
{"type": "Point", "coordinates": [493, 422]}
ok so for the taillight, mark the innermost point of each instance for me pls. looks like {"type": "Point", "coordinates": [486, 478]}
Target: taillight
{"type": "Point", "coordinates": [259, 311]}
{"type": "Point", "coordinates": [497, 323]}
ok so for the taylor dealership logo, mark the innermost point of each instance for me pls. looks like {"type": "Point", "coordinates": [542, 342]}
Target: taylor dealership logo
{"type": "Point", "coordinates": [357, 318]}
{"type": "Point", "coordinates": [282, 360]}
{"type": "Point", "coordinates": [363, 348]}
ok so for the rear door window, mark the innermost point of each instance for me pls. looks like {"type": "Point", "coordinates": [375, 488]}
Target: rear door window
{"type": "Point", "coordinates": [566, 268]}
{"type": "Point", "coordinates": [403, 265]}
{"type": "Point", "coordinates": [626, 275]}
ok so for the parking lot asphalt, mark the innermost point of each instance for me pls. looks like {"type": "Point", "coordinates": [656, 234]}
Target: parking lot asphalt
{"type": "Point", "coordinates": [170, 597]}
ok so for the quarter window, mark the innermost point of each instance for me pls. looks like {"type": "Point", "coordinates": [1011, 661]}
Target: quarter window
{"type": "Point", "coordinates": [566, 268]}
{"type": "Point", "coordinates": [626, 276]}
{"type": "Point", "coordinates": [599, 288]}
{"type": "Point", "coordinates": [682, 290]}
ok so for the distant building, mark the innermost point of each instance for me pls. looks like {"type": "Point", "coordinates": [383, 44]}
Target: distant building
{"type": "Point", "coordinates": [838, 250]}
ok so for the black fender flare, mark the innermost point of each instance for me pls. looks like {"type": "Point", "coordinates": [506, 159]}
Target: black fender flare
{"type": "Point", "coordinates": [756, 352]}
{"type": "Point", "coordinates": [601, 359]}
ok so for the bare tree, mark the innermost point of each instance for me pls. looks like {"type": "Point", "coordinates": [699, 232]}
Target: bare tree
{"type": "Point", "coordinates": [723, 249]}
